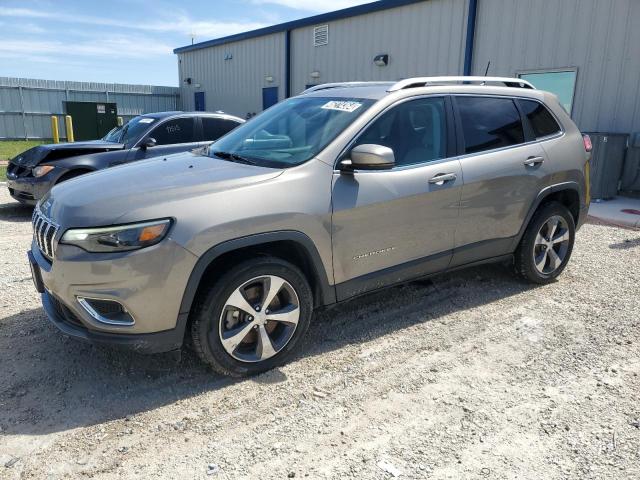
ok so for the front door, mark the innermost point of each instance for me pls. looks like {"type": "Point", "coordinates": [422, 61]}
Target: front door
{"type": "Point", "coordinates": [392, 225]}
{"type": "Point", "coordinates": [269, 97]}
{"type": "Point", "coordinates": [503, 174]}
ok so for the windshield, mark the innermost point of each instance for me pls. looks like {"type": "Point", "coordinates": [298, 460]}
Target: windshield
{"type": "Point", "coordinates": [131, 131]}
{"type": "Point", "coordinates": [290, 132]}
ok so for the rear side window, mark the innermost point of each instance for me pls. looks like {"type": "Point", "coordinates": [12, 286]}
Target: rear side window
{"type": "Point", "coordinates": [489, 123]}
{"type": "Point", "coordinates": [214, 128]}
{"type": "Point", "coordinates": [179, 130]}
{"type": "Point", "coordinates": [541, 120]}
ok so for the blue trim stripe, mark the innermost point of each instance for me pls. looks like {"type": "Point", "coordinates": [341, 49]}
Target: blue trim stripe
{"type": "Point", "coordinates": [471, 33]}
{"type": "Point", "coordinates": [303, 22]}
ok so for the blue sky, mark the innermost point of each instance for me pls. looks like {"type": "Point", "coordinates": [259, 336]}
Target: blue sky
{"type": "Point", "coordinates": [127, 41]}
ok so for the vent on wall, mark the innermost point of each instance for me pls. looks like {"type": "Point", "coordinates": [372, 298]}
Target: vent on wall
{"type": "Point", "coordinates": [320, 35]}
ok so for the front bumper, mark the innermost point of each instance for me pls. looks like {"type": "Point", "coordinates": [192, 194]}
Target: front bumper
{"type": "Point", "coordinates": [148, 343]}
{"type": "Point", "coordinates": [29, 190]}
{"type": "Point", "coordinates": [149, 283]}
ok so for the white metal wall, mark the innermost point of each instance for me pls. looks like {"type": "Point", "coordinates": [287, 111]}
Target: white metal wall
{"type": "Point", "coordinates": [421, 39]}
{"type": "Point", "coordinates": [600, 38]}
{"type": "Point", "coordinates": [26, 105]}
{"type": "Point", "coordinates": [234, 85]}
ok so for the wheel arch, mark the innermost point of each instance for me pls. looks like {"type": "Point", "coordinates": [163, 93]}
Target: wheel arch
{"type": "Point", "coordinates": [567, 193]}
{"type": "Point", "coordinates": [74, 172]}
{"type": "Point", "coordinates": [293, 246]}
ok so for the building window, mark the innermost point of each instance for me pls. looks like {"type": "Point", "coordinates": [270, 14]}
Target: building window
{"type": "Point", "coordinates": [320, 35]}
{"type": "Point", "coordinates": [561, 82]}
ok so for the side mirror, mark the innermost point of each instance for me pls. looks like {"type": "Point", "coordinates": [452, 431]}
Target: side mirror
{"type": "Point", "coordinates": [369, 157]}
{"type": "Point", "coordinates": [148, 142]}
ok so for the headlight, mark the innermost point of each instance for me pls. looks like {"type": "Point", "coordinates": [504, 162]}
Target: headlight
{"type": "Point", "coordinates": [119, 238]}
{"type": "Point", "coordinates": [40, 171]}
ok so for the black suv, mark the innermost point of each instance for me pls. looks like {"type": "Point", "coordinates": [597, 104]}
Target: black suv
{"type": "Point", "coordinates": [34, 172]}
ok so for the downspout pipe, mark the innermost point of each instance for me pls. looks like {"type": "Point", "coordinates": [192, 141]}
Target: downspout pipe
{"type": "Point", "coordinates": [287, 64]}
{"type": "Point", "coordinates": [471, 32]}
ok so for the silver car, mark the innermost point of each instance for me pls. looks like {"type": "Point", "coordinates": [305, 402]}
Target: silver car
{"type": "Point", "coordinates": [342, 190]}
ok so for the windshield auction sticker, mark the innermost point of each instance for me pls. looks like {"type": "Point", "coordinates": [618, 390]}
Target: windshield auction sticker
{"type": "Point", "coordinates": [342, 106]}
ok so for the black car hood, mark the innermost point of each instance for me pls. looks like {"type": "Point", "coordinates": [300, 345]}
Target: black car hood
{"type": "Point", "coordinates": [57, 151]}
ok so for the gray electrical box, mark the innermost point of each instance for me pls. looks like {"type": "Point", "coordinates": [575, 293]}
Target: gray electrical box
{"type": "Point", "coordinates": [606, 163]}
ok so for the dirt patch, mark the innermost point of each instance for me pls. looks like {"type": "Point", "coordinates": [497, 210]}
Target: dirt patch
{"type": "Point", "coordinates": [472, 375]}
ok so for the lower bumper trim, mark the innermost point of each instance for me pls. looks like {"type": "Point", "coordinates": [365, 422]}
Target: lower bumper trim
{"type": "Point", "coordinates": [158, 342]}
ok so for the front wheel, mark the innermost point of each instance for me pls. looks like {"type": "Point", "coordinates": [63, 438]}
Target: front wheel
{"type": "Point", "coordinates": [252, 318]}
{"type": "Point", "coordinates": [546, 245]}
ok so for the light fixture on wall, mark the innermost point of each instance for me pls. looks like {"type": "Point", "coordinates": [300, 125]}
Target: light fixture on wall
{"type": "Point", "coordinates": [315, 74]}
{"type": "Point", "coordinates": [268, 79]}
{"type": "Point", "coordinates": [381, 60]}
{"type": "Point", "coordinates": [228, 56]}
{"type": "Point", "coordinates": [187, 80]}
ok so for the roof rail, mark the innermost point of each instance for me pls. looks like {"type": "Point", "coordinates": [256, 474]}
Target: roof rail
{"type": "Point", "coordinates": [424, 81]}
{"type": "Point", "coordinates": [326, 86]}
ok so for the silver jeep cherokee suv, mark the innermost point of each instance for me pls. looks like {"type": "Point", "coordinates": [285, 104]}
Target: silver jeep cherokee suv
{"type": "Point", "coordinates": [339, 191]}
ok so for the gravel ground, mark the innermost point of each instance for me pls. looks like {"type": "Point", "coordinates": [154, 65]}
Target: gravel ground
{"type": "Point", "coordinates": [471, 375]}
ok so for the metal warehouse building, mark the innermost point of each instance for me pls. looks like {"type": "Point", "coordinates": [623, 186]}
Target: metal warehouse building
{"type": "Point", "coordinates": [585, 51]}
{"type": "Point", "coordinates": [26, 105]}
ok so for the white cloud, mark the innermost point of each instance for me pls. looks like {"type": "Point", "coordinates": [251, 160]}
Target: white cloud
{"type": "Point", "coordinates": [313, 5]}
{"type": "Point", "coordinates": [181, 23]}
{"type": "Point", "coordinates": [114, 47]}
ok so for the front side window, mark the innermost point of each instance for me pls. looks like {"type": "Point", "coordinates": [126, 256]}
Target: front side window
{"type": "Point", "coordinates": [541, 120]}
{"type": "Point", "coordinates": [214, 128]}
{"type": "Point", "coordinates": [179, 130]}
{"type": "Point", "coordinates": [489, 122]}
{"type": "Point", "coordinates": [414, 130]}
{"type": "Point", "coordinates": [290, 132]}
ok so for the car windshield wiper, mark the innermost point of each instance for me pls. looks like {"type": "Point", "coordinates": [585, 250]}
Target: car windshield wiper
{"type": "Point", "coordinates": [234, 157]}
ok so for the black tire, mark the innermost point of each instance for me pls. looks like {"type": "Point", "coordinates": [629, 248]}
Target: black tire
{"type": "Point", "coordinates": [525, 255]}
{"type": "Point", "coordinates": [208, 312]}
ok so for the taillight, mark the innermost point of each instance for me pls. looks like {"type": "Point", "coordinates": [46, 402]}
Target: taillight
{"type": "Point", "coordinates": [586, 139]}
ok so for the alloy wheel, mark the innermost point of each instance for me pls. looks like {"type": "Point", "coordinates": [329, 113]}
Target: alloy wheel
{"type": "Point", "coordinates": [551, 245]}
{"type": "Point", "coordinates": [259, 318]}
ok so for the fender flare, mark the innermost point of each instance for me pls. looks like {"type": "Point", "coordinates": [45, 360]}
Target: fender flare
{"type": "Point", "coordinates": [326, 291]}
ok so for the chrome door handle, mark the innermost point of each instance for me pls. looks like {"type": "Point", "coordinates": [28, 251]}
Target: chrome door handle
{"type": "Point", "coordinates": [533, 161]}
{"type": "Point", "coordinates": [442, 177]}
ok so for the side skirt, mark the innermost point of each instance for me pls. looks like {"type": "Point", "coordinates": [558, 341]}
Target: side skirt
{"type": "Point", "coordinates": [424, 268]}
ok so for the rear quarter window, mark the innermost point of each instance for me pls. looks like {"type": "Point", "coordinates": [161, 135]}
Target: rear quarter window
{"type": "Point", "coordinates": [541, 120]}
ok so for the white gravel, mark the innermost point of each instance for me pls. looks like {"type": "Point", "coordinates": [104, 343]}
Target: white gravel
{"type": "Point", "coordinates": [474, 375]}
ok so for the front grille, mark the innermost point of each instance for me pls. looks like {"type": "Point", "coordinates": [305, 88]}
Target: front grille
{"type": "Point", "coordinates": [44, 232]}
{"type": "Point", "coordinates": [17, 171]}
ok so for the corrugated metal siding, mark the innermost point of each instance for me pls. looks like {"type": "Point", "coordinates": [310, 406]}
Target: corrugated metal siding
{"type": "Point", "coordinates": [39, 99]}
{"type": "Point", "coordinates": [233, 86]}
{"type": "Point", "coordinates": [421, 39]}
{"type": "Point", "coordinates": [601, 39]}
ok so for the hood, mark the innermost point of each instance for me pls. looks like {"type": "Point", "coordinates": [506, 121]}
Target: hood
{"type": "Point", "coordinates": [57, 151]}
{"type": "Point", "coordinates": [159, 184]}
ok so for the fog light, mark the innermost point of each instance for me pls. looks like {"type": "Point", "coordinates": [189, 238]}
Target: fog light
{"type": "Point", "coordinates": [105, 311]}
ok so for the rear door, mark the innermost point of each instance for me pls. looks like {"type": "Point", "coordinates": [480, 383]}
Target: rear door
{"type": "Point", "coordinates": [503, 169]}
{"type": "Point", "coordinates": [391, 225]}
{"type": "Point", "coordinates": [174, 135]}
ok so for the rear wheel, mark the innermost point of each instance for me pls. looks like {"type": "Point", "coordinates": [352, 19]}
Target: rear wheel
{"type": "Point", "coordinates": [546, 245]}
{"type": "Point", "coordinates": [253, 318]}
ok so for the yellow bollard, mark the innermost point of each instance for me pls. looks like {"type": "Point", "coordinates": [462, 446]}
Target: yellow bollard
{"type": "Point", "coordinates": [55, 133]}
{"type": "Point", "coordinates": [119, 121]}
{"type": "Point", "coordinates": [68, 123]}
